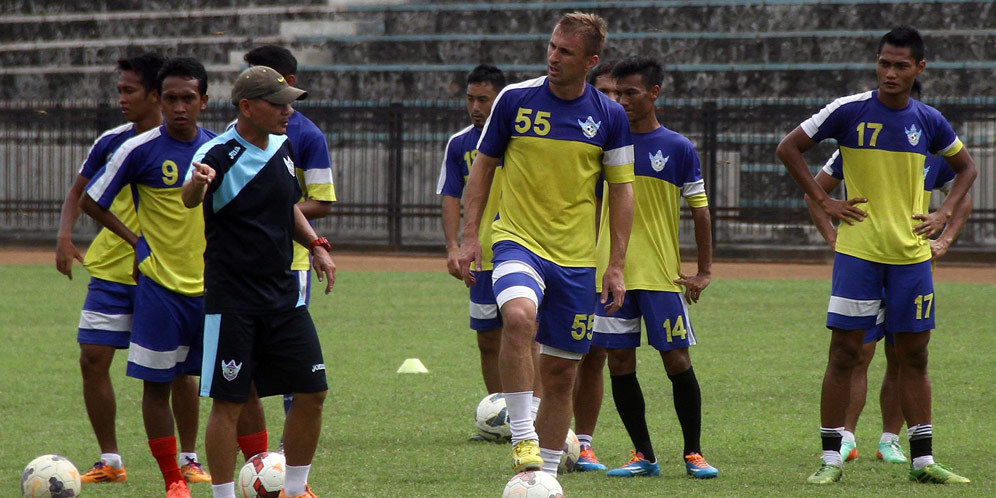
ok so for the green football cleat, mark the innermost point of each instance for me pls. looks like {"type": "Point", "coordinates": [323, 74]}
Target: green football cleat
{"type": "Point", "coordinates": [827, 474]}
{"type": "Point", "coordinates": [890, 451]}
{"type": "Point", "coordinates": [848, 451]}
{"type": "Point", "coordinates": [526, 456]}
{"type": "Point", "coordinates": [937, 474]}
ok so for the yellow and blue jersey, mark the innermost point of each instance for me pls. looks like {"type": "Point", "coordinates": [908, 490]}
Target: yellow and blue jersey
{"type": "Point", "coordinates": [882, 153]}
{"type": "Point", "coordinates": [109, 257]}
{"type": "Point", "coordinates": [667, 169]}
{"type": "Point", "coordinates": [937, 175]}
{"type": "Point", "coordinates": [314, 170]}
{"type": "Point", "coordinates": [170, 248]}
{"type": "Point", "coordinates": [554, 153]}
{"type": "Point", "coordinates": [461, 149]}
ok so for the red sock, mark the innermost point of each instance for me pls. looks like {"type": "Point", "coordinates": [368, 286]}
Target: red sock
{"type": "Point", "coordinates": [164, 451]}
{"type": "Point", "coordinates": [253, 444]}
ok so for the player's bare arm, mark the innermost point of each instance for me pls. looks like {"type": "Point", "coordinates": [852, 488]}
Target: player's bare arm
{"type": "Point", "coordinates": [65, 250]}
{"type": "Point", "coordinates": [965, 173]}
{"type": "Point", "coordinates": [939, 246]}
{"type": "Point", "coordinates": [451, 230]}
{"type": "Point", "coordinates": [321, 260]}
{"type": "Point", "coordinates": [107, 219]}
{"type": "Point", "coordinates": [475, 197]}
{"type": "Point", "coordinates": [620, 226]}
{"type": "Point", "coordinates": [790, 152]}
{"type": "Point", "coordinates": [820, 218]}
{"type": "Point", "coordinates": [194, 189]}
{"type": "Point", "coordinates": [314, 209]}
{"type": "Point", "coordinates": [697, 283]}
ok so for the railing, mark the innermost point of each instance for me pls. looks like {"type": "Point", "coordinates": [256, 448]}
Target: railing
{"type": "Point", "coordinates": [386, 159]}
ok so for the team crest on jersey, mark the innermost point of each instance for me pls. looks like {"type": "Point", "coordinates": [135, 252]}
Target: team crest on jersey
{"type": "Point", "coordinates": [913, 135]}
{"type": "Point", "coordinates": [290, 165]}
{"type": "Point", "coordinates": [230, 370]}
{"type": "Point", "coordinates": [658, 160]}
{"type": "Point", "coordinates": [589, 127]}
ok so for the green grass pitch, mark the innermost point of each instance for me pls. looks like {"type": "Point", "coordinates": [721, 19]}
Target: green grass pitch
{"type": "Point", "coordinates": [760, 359]}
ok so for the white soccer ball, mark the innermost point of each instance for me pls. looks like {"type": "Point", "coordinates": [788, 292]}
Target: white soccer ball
{"type": "Point", "coordinates": [262, 476]}
{"type": "Point", "coordinates": [50, 476]}
{"type": "Point", "coordinates": [533, 484]}
{"type": "Point", "coordinates": [491, 418]}
{"type": "Point", "coordinates": [572, 451]}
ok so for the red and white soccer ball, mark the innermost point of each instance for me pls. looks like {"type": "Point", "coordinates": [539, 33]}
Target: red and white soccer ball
{"type": "Point", "coordinates": [50, 476]}
{"type": "Point", "coordinates": [491, 418]}
{"type": "Point", "coordinates": [262, 476]}
{"type": "Point", "coordinates": [572, 451]}
{"type": "Point", "coordinates": [533, 484]}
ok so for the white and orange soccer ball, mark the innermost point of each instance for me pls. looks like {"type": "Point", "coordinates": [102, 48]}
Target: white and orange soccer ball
{"type": "Point", "coordinates": [50, 476]}
{"type": "Point", "coordinates": [533, 484]}
{"type": "Point", "coordinates": [572, 451]}
{"type": "Point", "coordinates": [491, 418]}
{"type": "Point", "coordinates": [262, 476]}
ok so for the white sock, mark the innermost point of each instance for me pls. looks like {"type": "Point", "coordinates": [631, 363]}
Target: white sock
{"type": "Point", "coordinates": [584, 439]}
{"type": "Point", "coordinates": [551, 460]}
{"type": "Point", "coordinates": [519, 420]}
{"type": "Point", "coordinates": [831, 457]}
{"type": "Point", "coordinates": [848, 436]}
{"type": "Point", "coordinates": [888, 437]}
{"type": "Point", "coordinates": [923, 461]}
{"type": "Point", "coordinates": [111, 459]}
{"type": "Point", "coordinates": [185, 458]}
{"type": "Point", "coordinates": [226, 490]}
{"type": "Point", "coordinates": [295, 477]}
{"type": "Point", "coordinates": [534, 409]}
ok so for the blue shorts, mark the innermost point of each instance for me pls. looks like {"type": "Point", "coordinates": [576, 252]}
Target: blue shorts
{"type": "Point", "coordinates": [664, 314]}
{"type": "Point", "coordinates": [861, 287]}
{"type": "Point", "coordinates": [107, 313]}
{"type": "Point", "coordinates": [562, 295]}
{"type": "Point", "coordinates": [483, 308]}
{"type": "Point", "coordinates": [166, 335]}
{"type": "Point", "coordinates": [877, 332]}
{"type": "Point", "coordinates": [303, 286]}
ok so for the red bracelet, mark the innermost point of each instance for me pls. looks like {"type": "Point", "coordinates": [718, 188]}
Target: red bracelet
{"type": "Point", "coordinates": [322, 242]}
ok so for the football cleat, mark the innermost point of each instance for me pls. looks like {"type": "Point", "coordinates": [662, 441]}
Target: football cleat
{"type": "Point", "coordinates": [937, 474]}
{"type": "Point", "coordinates": [637, 466]}
{"type": "Point", "coordinates": [697, 467]}
{"type": "Point", "coordinates": [193, 472]}
{"type": "Point", "coordinates": [104, 473]}
{"type": "Point", "coordinates": [178, 489]}
{"type": "Point", "coordinates": [307, 493]}
{"type": "Point", "coordinates": [891, 451]}
{"type": "Point", "coordinates": [826, 474]}
{"type": "Point", "coordinates": [526, 456]}
{"type": "Point", "coordinates": [587, 462]}
{"type": "Point", "coordinates": [848, 451]}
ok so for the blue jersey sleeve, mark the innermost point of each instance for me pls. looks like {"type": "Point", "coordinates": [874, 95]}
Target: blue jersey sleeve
{"type": "Point", "coordinates": [453, 170]}
{"type": "Point", "coordinates": [943, 137]}
{"type": "Point", "coordinates": [834, 166]}
{"type": "Point", "coordinates": [313, 151]}
{"type": "Point", "coordinates": [498, 129]}
{"type": "Point", "coordinates": [97, 157]}
{"type": "Point", "coordinates": [114, 176]}
{"type": "Point", "coordinates": [831, 121]}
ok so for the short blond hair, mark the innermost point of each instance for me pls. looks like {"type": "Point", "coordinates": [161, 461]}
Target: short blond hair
{"type": "Point", "coordinates": [590, 27]}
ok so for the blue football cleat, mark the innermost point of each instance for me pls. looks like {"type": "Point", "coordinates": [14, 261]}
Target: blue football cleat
{"type": "Point", "coordinates": [637, 466]}
{"type": "Point", "coordinates": [697, 467]}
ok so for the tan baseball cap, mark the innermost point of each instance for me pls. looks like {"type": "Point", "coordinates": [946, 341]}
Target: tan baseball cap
{"type": "Point", "coordinates": [261, 82]}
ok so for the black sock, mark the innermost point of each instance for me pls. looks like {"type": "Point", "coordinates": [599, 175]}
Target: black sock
{"type": "Point", "coordinates": [688, 406]}
{"type": "Point", "coordinates": [831, 439]}
{"type": "Point", "coordinates": [921, 440]}
{"type": "Point", "coordinates": [629, 403]}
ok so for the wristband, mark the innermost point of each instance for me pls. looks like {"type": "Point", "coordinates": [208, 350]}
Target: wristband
{"type": "Point", "coordinates": [320, 242]}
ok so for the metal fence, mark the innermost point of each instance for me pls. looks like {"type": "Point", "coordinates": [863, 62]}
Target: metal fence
{"type": "Point", "coordinates": [386, 159]}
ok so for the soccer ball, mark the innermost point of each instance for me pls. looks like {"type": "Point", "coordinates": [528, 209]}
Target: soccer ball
{"type": "Point", "coordinates": [572, 451]}
{"type": "Point", "coordinates": [262, 476]}
{"type": "Point", "coordinates": [491, 418]}
{"type": "Point", "coordinates": [533, 484]}
{"type": "Point", "coordinates": [50, 476]}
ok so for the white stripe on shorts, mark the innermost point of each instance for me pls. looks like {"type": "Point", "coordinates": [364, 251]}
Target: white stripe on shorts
{"type": "Point", "coordinates": [509, 267]}
{"type": "Point", "coordinates": [881, 316]}
{"type": "Point", "coordinates": [854, 307]}
{"type": "Point", "coordinates": [560, 353]}
{"type": "Point", "coordinates": [614, 325]}
{"type": "Point", "coordinates": [159, 360]}
{"type": "Point", "coordinates": [483, 311]}
{"type": "Point", "coordinates": [101, 321]}
{"type": "Point", "coordinates": [514, 292]}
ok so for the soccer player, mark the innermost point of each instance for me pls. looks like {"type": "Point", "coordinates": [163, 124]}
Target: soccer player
{"type": "Point", "coordinates": [667, 168]}
{"type": "Point", "coordinates": [314, 172]}
{"type": "Point", "coordinates": [937, 176]}
{"type": "Point", "coordinates": [257, 329]}
{"type": "Point", "coordinates": [590, 384]}
{"type": "Point", "coordinates": [556, 135]}
{"type": "Point", "coordinates": [882, 250]}
{"type": "Point", "coordinates": [166, 331]}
